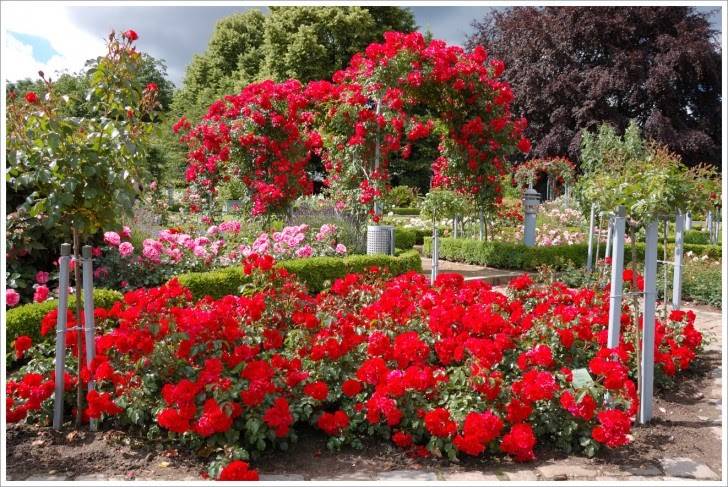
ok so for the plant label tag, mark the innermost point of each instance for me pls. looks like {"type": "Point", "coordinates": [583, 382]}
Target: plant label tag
{"type": "Point", "coordinates": [581, 378]}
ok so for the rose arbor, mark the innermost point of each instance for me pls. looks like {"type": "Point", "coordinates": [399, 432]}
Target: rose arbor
{"type": "Point", "coordinates": [391, 96]}
{"type": "Point", "coordinates": [405, 89]}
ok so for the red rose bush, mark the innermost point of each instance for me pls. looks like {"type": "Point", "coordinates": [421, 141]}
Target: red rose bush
{"type": "Point", "coordinates": [454, 369]}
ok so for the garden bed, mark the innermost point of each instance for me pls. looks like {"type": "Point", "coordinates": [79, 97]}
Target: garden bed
{"type": "Point", "coordinates": [39, 452]}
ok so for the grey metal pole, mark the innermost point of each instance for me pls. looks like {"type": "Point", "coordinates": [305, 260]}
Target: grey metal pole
{"type": "Point", "coordinates": [455, 227]}
{"type": "Point", "coordinates": [88, 313]}
{"type": "Point", "coordinates": [677, 267]}
{"type": "Point", "coordinates": [688, 221]}
{"type": "Point", "coordinates": [610, 234]}
{"type": "Point", "coordinates": [482, 225]}
{"type": "Point", "coordinates": [170, 196]}
{"type": "Point", "coordinates": [648, 327]}
{"type": "Point", "coordinates": [709, 224]}
{"type": "Point", "coordinates": [435, 253]}
{"type": "Point", "coordinates": [589, 256]}
{"type": "Point", "coordinates": [615, 293]}
{"type": "Point", "coordinates": [63, 278]}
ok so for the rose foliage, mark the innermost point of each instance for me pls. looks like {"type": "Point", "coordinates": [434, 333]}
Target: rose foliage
{"type": "Point", "coordinates": [453, 369]}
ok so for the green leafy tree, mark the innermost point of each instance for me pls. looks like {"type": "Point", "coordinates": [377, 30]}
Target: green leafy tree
{"type": "Point", "coordinates": [310, 43]}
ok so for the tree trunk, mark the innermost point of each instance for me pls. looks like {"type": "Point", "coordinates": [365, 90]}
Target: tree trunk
{"type": "Point", "coordinates": [79, 323]}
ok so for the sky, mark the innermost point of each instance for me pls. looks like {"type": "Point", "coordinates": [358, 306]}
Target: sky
{"type": "Point", "coordinates": [60, 38]}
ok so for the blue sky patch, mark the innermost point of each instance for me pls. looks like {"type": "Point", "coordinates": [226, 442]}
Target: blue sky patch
{"type": "Point", "coordinates": [42, 49]}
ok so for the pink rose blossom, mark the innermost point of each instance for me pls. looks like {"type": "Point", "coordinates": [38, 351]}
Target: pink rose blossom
{"type": "Point", "coordinates": [41, 294]}
{"type": "Point", "coordinates": [41, 277]}
{"type": "Point", "coordinates": [126, 249]}
{"type": "Point", "coordinates": [200, 252]}
{"type": "Point", "coordinates": [125, 232]}
{"type": "Point", "coordinates": [151, 253]}
{"type": "Point", "coordinates": [112, 238]}
{"type": "Point", "coordinates": [305, 251]}
{"type": "Point", "coordinates": [214, 229]}
{"type": "Point", "coordinates": [12, 298]}
{"type": "Point", "coordinates": [340, 249]}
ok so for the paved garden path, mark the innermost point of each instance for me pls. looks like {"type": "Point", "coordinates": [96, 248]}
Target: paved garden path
{"type": "Point", "coordinates": [470, 271]}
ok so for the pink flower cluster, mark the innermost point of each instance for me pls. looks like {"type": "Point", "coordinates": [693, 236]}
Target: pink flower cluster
{"type": "Point", "coordinates": [293, 242]}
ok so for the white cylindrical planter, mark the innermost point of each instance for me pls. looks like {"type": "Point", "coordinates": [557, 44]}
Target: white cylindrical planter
{"type": "Point", "coordinates": [63, 278]}
{"type": "Point", "coordinates": [615, 293]}
{"type": "Point", "coordinates": [380, 239]}
{"type": "Point", "coordinates": [688, 221]}
{"type": "Point", "coordinates": [531, 199]}
{"type": "Point", "coordinates": [648, 327]}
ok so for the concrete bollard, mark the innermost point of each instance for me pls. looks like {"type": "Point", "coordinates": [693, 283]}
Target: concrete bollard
{"type": "Point", "coordinates": [531, 200]}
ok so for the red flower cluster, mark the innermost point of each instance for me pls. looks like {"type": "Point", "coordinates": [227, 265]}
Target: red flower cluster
{"type": "Point", "coordinates": [266, 135]}
{"type": "Point", "coordinates": [454, 367]}
{"type": "Point", "coordinates": [263, 136]}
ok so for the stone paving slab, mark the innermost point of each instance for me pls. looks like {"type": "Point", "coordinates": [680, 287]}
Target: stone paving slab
{"type": "Point", "coordinates": [565, 471]}
{"type": "Point", "coordinates": [400, 475]}
{"type": "Point", "coordinates": [474, 476]}
{"type": "Point", "coordinates": [687, 468]}
{"type": "Point", "coordinates": [281, 478]}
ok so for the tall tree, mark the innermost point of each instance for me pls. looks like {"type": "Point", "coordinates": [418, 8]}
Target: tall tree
{"type": "Point", "coordinates": [572, 68]}
{"type": "Point", "coordinates": [310, 43]}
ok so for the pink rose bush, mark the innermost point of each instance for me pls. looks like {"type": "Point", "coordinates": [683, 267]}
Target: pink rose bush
{"type": "Point", "coordinates": [173, 251]}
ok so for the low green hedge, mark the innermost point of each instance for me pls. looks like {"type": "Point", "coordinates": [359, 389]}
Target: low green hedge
{"type": "Point", "coordinates": [405, 211]}
{"type": "Point", "coordinates": [25, 319]}
{"type": "Point", "coordinates": [404, 237]}
{"type": "Point", "coordinates": [504, 255]}
{"type": "Point", "coordinates": [317, 272]}
{"type": "Point", "coordinates": [701, 283]}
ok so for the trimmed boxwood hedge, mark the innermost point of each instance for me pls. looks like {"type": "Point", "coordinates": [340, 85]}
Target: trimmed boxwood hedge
{"type": "Point", "coordinates": [25, 319]}
{"type": "Point", "coordinates": [316, 272]}
{"type": "Point", "coordinates": [504, 255]}
{"type": "Point", "coordinates": [405, 238]}
{"type": "Point", "coordinates": [405, 211]}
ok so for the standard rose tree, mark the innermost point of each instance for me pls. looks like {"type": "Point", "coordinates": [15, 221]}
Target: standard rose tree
{"type": "Point", "coordinates": [82, 174]}
{"type": "Point", "coordinates": [404, 90]}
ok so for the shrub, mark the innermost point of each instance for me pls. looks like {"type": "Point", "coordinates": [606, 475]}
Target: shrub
{"type": "Point", "coordinates": [25, 319]}
{"type": "Point", "coordinates": [405, 211]}
{"type": "Point", "coordinates": [505, 255]}
{"type": "Point", "coordinates": [316, 273]}
{"type": "Point", "coordinates": [404, 237]}
{"type": "Point", "coordinates": [401, 196]}
{"type": "Point", "coordinates": [701, 283]}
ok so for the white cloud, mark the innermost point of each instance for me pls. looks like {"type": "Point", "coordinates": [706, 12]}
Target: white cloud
{"type": "Point", "coordinates": [73, 45]}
